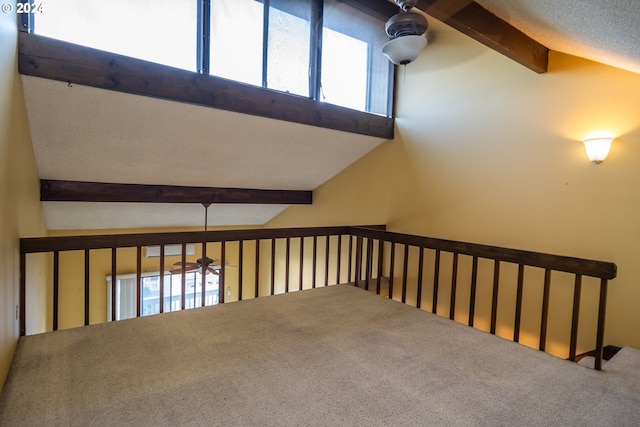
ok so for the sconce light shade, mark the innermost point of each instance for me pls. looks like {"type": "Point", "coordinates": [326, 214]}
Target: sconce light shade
{"type": "Point", "coordinates": [405, 49]}
{"type": "Point", "coordinates": [597, 148]}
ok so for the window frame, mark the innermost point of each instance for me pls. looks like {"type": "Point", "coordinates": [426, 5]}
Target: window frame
{"type": "Point", "coordinates": [44, 57]}
{"type": "Point", "coordinates": [133, 293]}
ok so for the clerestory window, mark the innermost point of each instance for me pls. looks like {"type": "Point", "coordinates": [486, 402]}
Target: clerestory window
{"type": "Point", "coordinates": [326, 50]}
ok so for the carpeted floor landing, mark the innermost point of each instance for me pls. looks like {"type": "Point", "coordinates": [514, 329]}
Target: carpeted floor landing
{"type": "Point", "coordinates": [334, 356]}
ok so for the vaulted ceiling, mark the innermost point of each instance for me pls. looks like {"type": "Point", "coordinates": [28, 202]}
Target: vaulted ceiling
{"type": "Point", "coordinates": [85, 132]}
{"type": "Point", "coordinates": [602, 31]}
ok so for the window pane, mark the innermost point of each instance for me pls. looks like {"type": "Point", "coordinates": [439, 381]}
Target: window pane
{"type": "Point", "coordinates": [289, 46]}
{"type": "Point", "coordinates": [344, 70]}
{"type": "Point", "coordinates": [191, 291]}
{"type": "Point", "coordinates": [150, 303]}
{"type": "Point", "coordinates": [161, 31]}
{"type": "Point", "coordinates": [236, 40]}
{"type": "Point", "coordinates": [211, 289]}
{"type": "Point", "coordinates": [355, 73]}
{"type": "Point", "coordinates": [172, 292]}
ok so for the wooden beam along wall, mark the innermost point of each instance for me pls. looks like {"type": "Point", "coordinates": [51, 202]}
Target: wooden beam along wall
{"type": "Point", "coordinates": [80, 191]}
{"type": "Point", "coordinates": [48, 58]}
{"type": "Point", "coordinates": [473, 20]}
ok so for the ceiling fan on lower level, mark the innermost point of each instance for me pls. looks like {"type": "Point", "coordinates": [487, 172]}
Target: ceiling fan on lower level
{"type": "Point", "coordinates": [189, 267]}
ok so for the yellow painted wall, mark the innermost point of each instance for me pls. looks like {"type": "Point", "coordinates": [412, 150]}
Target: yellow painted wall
{"type": "Point", "coordinates": [488, 151]}
{"type": "Point", "coordinates": [20, 208]}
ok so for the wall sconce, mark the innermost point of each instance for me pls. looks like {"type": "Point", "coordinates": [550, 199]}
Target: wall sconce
{"type": "Point", "coordinates": [597, 148]}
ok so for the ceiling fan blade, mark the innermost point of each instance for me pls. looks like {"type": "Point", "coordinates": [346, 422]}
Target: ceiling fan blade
{"type": "Point", "coordinates": [179, 270]}
{"type": "Point", "coordinates": [187, 265]}
{"type": "Point", "coordinates": [218, 266]}
{"type": "Point", "coordinates": [212, 270]}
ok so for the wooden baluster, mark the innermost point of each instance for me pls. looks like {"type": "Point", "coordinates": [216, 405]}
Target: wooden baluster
{"type": "Point", "coordinates": [314, 261]}
{"type": "Point", "coordinates": [301, 263]}
{"type": "Point", "coordinates": [405, 266]}
{"type": "Point", "coordinates": [257, 283]}
{"type": "Point", "coordinates": [203, 276]}
{"type": "Point", "coordinates": [114, 283]}
{"type": "Point", "coordinates": [436, 281]}
{"type": "Point", "coordinates": [391, 268]}
{"type": "Point", "coordinates": [138, 281]}
{"type": "Point", "coordinates": [474, 286]}
{"type": "Point", "coordinates": [494, 296]}
{"type": "Point", "coordinates": [369, 264]}
{"type": "Point", "coordinates": [420, 273]}
{"type": "Point", "coordinates": [221, 281]}
{"type": "Point", "coordinates": [56, 287]}
{"type": "Point", "coordinates": [23, 294]}
{"type": "Point", "coordinates": [358, 260]}
{"type": "Point", "coordinates": [602, 307]}
{"type": "Point", "coordinates": [339, 259]}
{"type": "Point", "coordinates": [577, 290]}
{"type": "Point", "coordinates": [545, 310]}
{"type": "Point", "coordinates": [454, 285]}
{"type": "Point", "coordinates": [272, 287]}
{"type": "Point", "coordinates": [519, 290]}
{"type": "Point", "coordinates": [326, 261]}
{"type": "Point", "coordinates": [286, 265]}
{"type": "Point", "coordinates": [183, 280]}
{"type": "Point", "coordinates": [350, 259]}
{"type": "Point", "coordinates": [380, 262]}
{"type": "Point", "coordinates": [87, 296]}
{"type": "Point", "coordinates": [162, 279]}
{"type": "Point", "coordinates": [240, 259]}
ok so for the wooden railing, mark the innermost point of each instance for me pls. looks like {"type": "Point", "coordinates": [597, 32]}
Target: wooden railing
{"type": "Point", "coordinates": [367, 256]}
{"type": "Point", "coordinates": [89, 244]}
{"type": "Point", "coordinates": [387, 242]}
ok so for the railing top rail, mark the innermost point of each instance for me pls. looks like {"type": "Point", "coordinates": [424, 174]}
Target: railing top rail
{"type": "Point", "coordinates": [106, 241]}
{"type": "Point", "coordinates": [586, 267]}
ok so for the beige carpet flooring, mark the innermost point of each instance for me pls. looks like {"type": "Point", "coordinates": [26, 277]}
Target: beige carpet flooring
{"type": "Point", "coordinates": [336, 356]}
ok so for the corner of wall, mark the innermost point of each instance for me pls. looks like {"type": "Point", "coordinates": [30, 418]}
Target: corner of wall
{"type": "Point", "coordinates": [21, 210]}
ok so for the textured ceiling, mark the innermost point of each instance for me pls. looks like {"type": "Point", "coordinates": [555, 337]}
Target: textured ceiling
{"type": "Point", "coordinates": [604, 31]}
{"type": "Point", "coordinates": [86, 134]}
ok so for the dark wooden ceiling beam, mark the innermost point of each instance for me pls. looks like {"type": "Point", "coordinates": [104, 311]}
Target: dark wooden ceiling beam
{"type": "Point", "coordinates": [48, 58]}
{"type": "Point", "coordinates": [80, 191]}
{"type": "Point", "coordinates": [478, 23]}
{"type": "Point", "coordinates": [379, 9]}
{"type": "Point", "coordinates": [443, 9]}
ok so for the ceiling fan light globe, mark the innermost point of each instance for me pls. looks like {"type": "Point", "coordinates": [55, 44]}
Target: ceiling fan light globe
{"type": "Point", "coordinates": [405, 49]}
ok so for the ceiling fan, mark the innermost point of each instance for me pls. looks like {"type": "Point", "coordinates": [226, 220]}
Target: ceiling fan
{"type": "Point", "coordinates": [406, 31]}
{"type": "Point", "coordinates": [189, 267]}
